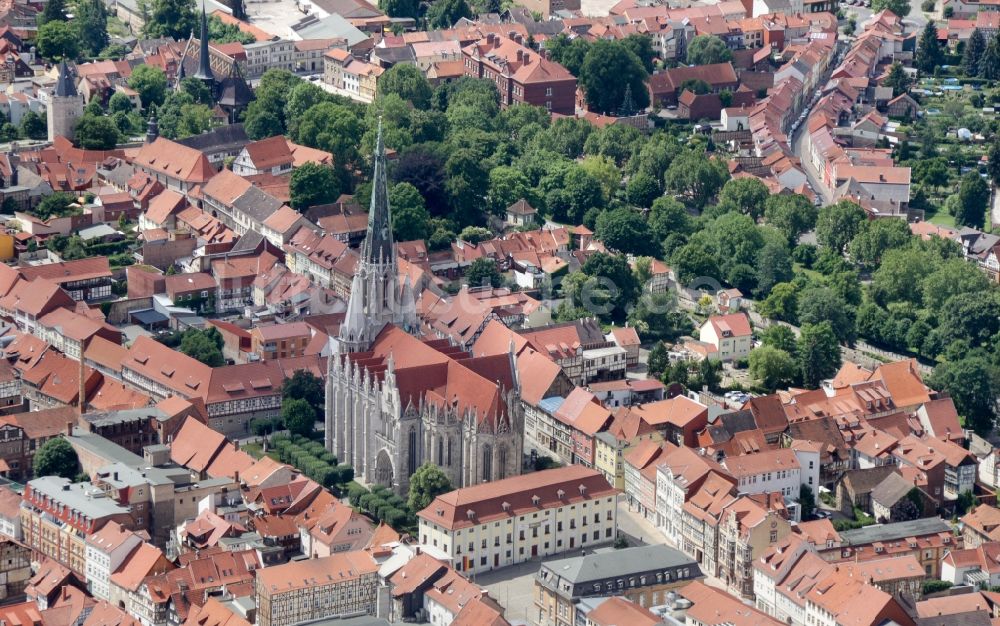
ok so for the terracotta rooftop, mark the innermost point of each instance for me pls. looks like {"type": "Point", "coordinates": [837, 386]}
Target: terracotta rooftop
{"type": "Point", "coordinates": [503, 499]}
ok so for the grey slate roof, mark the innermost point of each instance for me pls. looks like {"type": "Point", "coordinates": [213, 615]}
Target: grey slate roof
{"type": "Point", "coordinates": [65, 86]}
{"type": "Point", "coordinates": [895, 531]}
{"type": "Point", "coordinates": [617, 563]}
{"type": "Point", "coordinates": [891, 490]}
{"type": "Point", "coordinates": [221, 137]}
{"type": "Point", "coordinates": [257, 204]}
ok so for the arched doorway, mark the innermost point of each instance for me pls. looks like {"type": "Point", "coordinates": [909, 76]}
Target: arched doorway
{"type": "Point", "coordinates": [383, 469]}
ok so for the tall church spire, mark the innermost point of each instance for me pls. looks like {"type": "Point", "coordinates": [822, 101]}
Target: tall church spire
{"type": "Point", "coordinates": [204, 64]}
{"type": "Point", "coordinates": [378, 247]}
{"type": "Point", "coordinates": [377, 298]}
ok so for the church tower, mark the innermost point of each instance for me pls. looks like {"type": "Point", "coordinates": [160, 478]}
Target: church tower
{"type": "Point", "coordinates": [204, 72]}
{"type": "Point", "coordinates": [377, 298]}
{"type": "Point", "coordinates": [65, 106]}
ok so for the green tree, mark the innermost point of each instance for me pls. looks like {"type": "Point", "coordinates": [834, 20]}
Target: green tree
{"type": "Point", "coordinates": [974, 49]}
{"type": "Point", "coordinates": [53, 12]}
{"type": "Point", "coordinates": [989, 64]}
{"type": "Point", "coordinates": [993, 165]}
{"type": "Point", "coordinates": [194, 119]}
{"type": "Point", "coordinates": [838, 223]}
{"type": "Point", "coordinates": [692, 261]}
{"type": "Point", "coordinates": [642, 47]}
{"type": "Point", "coordinates": [57, 40]}
{"type": "Point", "coordinates": [657, 360]}
{"type": "Point", "coordinates": [150, 82]}
{"type": "Point", "coordinates": [427, 483]}
{"type": "Point", "coordinates": [400, 8]}
{"type": "Point", "coordinates": [483, 271]}
{"type": "Point", "coordinates": [569, 53]}
{"type": "Point", "coordinates": [897, 79]}
{"type": "Point", "coordinates": [199, 91]}
{"type": "Point", "coordinates": [951, 278]}
{"type": "Point", "coordinates": [807, 501]}
{"type": "Point", "coordinates": [56, 457]}
{"type": "Point", "coordinates": [408, 82]}
{"type": "Point", "coordinates": [965, 501]}
{"type": "Point", "coordinates": [33, 126]}
{"type": "Point", "coordinates": [773, 266]}
{"type": "Point", "coordinates": [779, 336]}
{"type": "Point", "coordinates": [696, 86]}
{"type": "Point", "coordinates": [608, 71]}
{"type": "Point", "coordinates": [96, 132]}
{"type": "Point", "coordinates": [774, 368]}
{"type": "Point", "coordinates": [971, 384]}
{"type": "Point", "coordinates": [313, 184]}
{"type": "Point", "coordinates": [299, 416]}
{"type": "Point", "coordinates": [695, 178]}
{"type": "Point", "coordinates": [58, 204]}
{"type": "Point", "coordinates": [92, 23]}
{"type": "Point", "coordinates": [410, 218]}
{"type": "Point", "coordinates": [467, 182]}
{"type": "Point", "coordinates": [929, 54]}
{"type": "Point", "coordinates": [175, 19]}
{"type": "Point", "coordinates": [204, 346]}
{"type": "Point", "coordinates": [875, 237]}
{"type": "Point", "coordinates": [656, 316]}
{"type": "Point", "coordinates": [221, 32]}
{"type": "Point", "coordinates": [642, 190]}
{"type": "Point", "coordinates": [119, 102]}
{"type": "Point", "coordinates": [265, 116]}
{"type": "Point", "coordinates": [626, 231]}
{"type": "Point", "coordinates": [618, 284]}
{"type": "Point", "coordinates": [817, 304]}
{"type": "Point", "coordinates": [900, 7]}
{"type": "Point", "coordinates": [791, 214]}
{"type": "Point", "coordinates": [746, 195]}
{"type": "Point", "coordinates": [507, 185]}
{"type": "Point", "coordinates": [708, 49]}
{"type": "Point", "coordinates": [444, 13]}
{"type": "Point", "coordinates": [334, 128]}
{"type": "Point", "coordinates": [669, 217]}
{"type": "Point", "coordinates": [973, 197]}
{"type": "Point", "coordinates": [304, 385]}
{"type": "Point", "coordinates": [818, 353]}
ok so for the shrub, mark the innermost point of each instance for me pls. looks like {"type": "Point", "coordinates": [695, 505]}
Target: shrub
{"type": "Point", "coordinates": [935, 586]}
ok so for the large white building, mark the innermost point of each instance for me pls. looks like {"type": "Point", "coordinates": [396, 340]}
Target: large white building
{"type": "Point", "coordinates": [730, 335]}
{"type": "Point", "coordinates": [767, 472]}
{"type": "Point", "coordinates": [107, 549]}
{"type": "Point", "coordinates": [493, 525]}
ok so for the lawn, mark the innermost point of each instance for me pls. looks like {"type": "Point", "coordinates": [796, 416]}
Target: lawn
{"type": "Point", "coordinates": [943, 218]}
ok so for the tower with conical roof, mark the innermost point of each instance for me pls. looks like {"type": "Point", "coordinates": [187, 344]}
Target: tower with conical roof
{"type": "Point", "coordinates": [377, 298]}
{"type": "Point", "coordinates": [204, 72]}
{"type": "Point", "coordinates": [65, 106]}
{"type": "Point", "coordinates": [152, 127]}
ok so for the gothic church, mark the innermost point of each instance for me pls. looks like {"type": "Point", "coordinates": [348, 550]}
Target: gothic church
{"type": "Point", "coordinates": [395, 401]}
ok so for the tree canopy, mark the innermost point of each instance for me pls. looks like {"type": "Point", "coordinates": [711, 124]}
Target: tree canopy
{"type": "Point", "coordinates": [56, 457]}
{"type": "Point", "coordinates": [203, 345]}
{"type": "Point", "coordinates": [427, 483]}
{"type": "Point", "coordinates": [708, 49]}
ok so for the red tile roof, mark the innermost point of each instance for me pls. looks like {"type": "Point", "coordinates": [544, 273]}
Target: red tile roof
{"type": "Point", "coordinates": [503, 499]}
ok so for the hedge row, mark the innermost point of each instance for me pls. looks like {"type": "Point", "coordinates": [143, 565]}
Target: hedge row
{"type": "Point", "coordinates": [313, 460]}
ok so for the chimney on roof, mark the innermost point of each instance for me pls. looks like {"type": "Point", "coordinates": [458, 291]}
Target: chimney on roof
{"type": "Point", "coordinates": [236, 477]}
{"type": "Point", "coordinates": [520, 56]}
